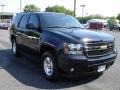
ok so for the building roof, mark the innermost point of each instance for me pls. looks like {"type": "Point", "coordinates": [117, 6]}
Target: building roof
{"type": "Point", "coordinates": [43, 13]}
{"type": "Point", "coordinates": [6, 13]}
{"type": "Point", "coordinates": [97, 21]}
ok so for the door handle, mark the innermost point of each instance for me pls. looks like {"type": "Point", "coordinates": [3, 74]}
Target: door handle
{"type": "Point", "coordinates": [19, 33]}
{"type": "Point", "coordinates": [34, 38]}
{"type": "Point", "coordinates": [31, 37]}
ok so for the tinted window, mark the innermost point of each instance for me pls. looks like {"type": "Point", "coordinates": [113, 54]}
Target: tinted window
{"type": "Point", "coordinates": [34, 20]}
{"type": "Point", "coordinates": [16, 19]}
{"type": "Point", "coordinates": [24, 21]}
{"type": "Point", "coordinates": [60, 20]}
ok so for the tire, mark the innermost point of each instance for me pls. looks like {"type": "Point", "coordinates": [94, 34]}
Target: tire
{"type": "Point", "coordinates": [119, 28]}
{"type": "Point", "coordinates": [49, 66]}
{"type": "Point", "coordinates": [15, 48]}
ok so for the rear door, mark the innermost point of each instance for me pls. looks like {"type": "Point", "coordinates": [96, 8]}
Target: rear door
{"type": "Point", "coordinates": [14, 28]}
{"type": "Point", "coordinates": [22, 29]}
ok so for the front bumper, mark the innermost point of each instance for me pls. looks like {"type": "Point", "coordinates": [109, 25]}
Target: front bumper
{"type": "Point", "coordinates": [81, 65]}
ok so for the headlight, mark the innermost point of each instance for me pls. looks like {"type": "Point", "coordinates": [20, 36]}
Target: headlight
{"type": "Point", "coordinates": [73, 48]}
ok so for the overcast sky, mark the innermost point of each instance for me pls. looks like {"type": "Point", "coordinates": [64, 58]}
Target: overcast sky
{"type": "Point", "coordinates": [103, 7]}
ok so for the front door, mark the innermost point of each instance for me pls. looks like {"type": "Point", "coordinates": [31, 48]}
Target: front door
{"type": "Point", "coordinates": [32, 40]}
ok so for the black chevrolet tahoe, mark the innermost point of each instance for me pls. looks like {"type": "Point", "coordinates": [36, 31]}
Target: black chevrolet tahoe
{"type": "Point", "coordinates": [61, 44]}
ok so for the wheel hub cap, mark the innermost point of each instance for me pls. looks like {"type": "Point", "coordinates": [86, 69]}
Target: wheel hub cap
{"type": "Point", "coordinates": [48, 66]}
{"type": "Point", "coordinates": [14, 48]}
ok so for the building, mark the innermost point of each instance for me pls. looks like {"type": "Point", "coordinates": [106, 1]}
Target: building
{"type": "Point", "coordinates": [6, 17]}
{"type": "Point", "coordinates": [97, 24]}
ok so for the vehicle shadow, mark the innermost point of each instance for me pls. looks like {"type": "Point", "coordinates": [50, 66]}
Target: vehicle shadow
{"type": "Point", "coordinates": [28, 73]}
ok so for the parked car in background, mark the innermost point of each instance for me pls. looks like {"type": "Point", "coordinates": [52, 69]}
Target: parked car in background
{"type": "Point", "coordinates": [61, 44]}
{"type": "Point", "coordinates": [4, 26]}
{"type": "Point", "coordinates": [86, 25]}
{"type": "Point", "coordinates": [97, 24]}
{"type": "Point", "coordinates": [117, 27]}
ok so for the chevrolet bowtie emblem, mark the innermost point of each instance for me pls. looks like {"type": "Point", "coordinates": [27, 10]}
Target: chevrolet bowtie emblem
{"type": "Point", "coordinates": [103, 47]}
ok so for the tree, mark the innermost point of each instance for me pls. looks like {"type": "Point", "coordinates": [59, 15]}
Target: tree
{"type": "Point", "coordinates": [59, 9]}
{"type": "Point", "coordinates": [112, 22]}
{"type": "Point", "coordinates": [118, 17]}
{"type": "Point", "coordinates": [31, 8]}
{"type": "Point", "coordinates": [84, 19]}
{"type": "Point", "coordinates": [97, 16]}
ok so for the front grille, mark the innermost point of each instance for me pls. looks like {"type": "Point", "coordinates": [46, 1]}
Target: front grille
{"type": "Point", "coordinates": [99, 48]}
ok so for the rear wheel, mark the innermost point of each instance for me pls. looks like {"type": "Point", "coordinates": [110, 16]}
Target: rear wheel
{"type": "Point", "coordinates": [49, 66]}
{"type": "Point", "coordinates": [14, 48]}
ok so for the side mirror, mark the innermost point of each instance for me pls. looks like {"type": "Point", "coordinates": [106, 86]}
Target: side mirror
{"type": "Point", "coordinates": [32, 26]}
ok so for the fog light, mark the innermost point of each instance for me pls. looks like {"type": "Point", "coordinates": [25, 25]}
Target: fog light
{"type": "Point", "coordinates": [72, 69]}
{"type": "Point", "coordinates": [115, 50]}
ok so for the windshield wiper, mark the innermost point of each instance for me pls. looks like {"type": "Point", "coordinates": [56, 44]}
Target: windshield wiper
{"type": "Point", "coordinates": [75, 27]}
{"type": "Point", "coordinates": [63, 27]}
{"type": "Point", "coordinates": [55, 27]}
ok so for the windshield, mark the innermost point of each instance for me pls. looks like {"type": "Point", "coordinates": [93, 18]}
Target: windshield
{"type": "Point", "coordinates": [60, 21]}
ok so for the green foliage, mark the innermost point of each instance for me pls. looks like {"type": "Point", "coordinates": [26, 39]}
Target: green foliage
{"type": "Point", "coordinates": [59, 9]}
{"type": "Point", "coordinates": [112, 21]}
{"type": "Point", "coordinates": [118, 17]}
{"type": "Point", "coordinates": [97, 16]}
{"type": "Point", "coordinates": [31, 8]}
{"type": "Point", "coordinates": [85, 19]}
{"type": "Point", "coordinates": [113, 17]}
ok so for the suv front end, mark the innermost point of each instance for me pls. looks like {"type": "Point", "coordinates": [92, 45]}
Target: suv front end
{"type": "Point", "coordinates": [87, 58]}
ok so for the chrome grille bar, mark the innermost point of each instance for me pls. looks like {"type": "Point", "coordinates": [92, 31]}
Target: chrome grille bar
{"type": "Point", "coordinates": [95, 49]}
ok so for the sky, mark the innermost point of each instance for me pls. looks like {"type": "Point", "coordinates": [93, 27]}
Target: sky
{"type": "Point", "coordinates": [102, 7]}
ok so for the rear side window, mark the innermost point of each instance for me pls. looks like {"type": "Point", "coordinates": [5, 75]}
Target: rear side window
{"type": "Point", "coordinates": [16, 19]}
{"type": "Point", "coordinates": [24, 21]}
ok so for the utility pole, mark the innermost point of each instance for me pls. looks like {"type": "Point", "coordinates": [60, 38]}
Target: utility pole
{"type": "Point", "coordinates": [74, 7]}
{"type": "Point", "coordinates": [2, 6]}
{"type": "Point", "coordinates": [20, 5]}
{"type": "Point", "coordinates": [83, 6]}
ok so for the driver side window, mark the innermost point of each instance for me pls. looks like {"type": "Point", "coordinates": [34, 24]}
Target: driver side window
{"type": "Point", "coordinates": [34, 20]}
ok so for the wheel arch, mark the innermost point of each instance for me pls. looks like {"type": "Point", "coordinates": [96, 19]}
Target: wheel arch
{"type": "Point", "coordinates": [48, 47]}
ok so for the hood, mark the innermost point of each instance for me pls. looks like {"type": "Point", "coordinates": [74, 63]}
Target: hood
{"type": "Point", "coordinates": [84, 35]}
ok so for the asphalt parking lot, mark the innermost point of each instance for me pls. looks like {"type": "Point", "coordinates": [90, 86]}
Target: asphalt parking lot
{"type": "Point", "coordinates": [23, 74]}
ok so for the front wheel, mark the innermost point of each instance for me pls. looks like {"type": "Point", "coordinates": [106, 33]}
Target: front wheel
{"type": "Point", "coordinates": [49, 66]}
